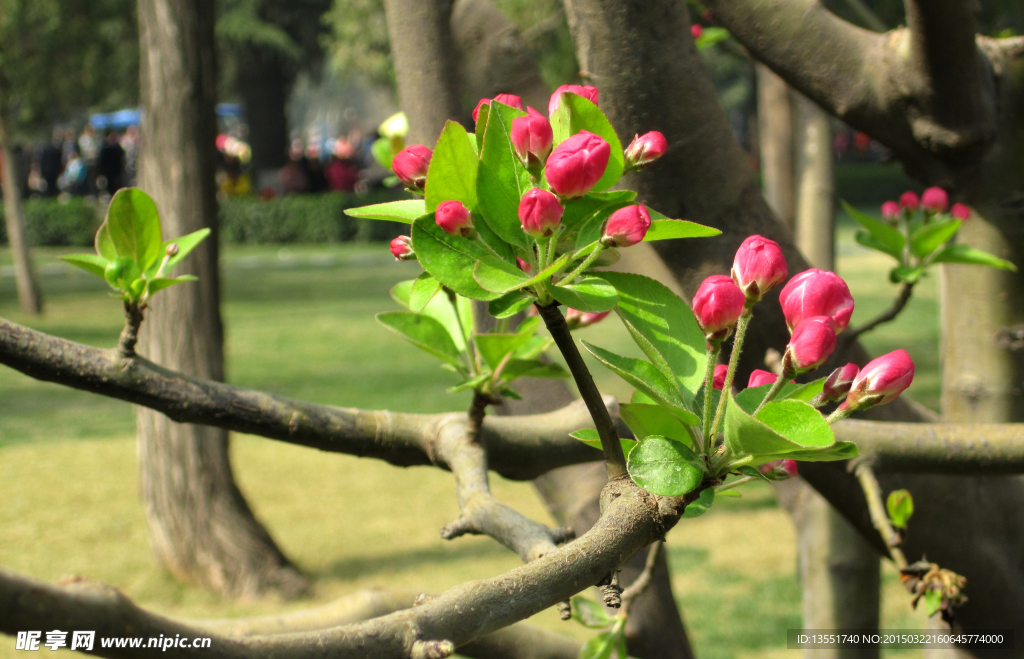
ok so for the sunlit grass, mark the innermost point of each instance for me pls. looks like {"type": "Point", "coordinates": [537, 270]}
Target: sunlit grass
{"type": "Point", "coordinates": [300, 323]}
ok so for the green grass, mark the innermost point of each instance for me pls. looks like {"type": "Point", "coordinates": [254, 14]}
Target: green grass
{"type": "Point", "coordinates": [300, 323]}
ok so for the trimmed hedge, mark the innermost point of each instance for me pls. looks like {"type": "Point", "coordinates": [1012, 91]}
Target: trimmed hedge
{"type": "Point", "coordinates": [308, 218]}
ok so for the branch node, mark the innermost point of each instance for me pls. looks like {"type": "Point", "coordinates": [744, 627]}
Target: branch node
{"type": "Point", "coordinates": [611, 591]}
{"type": "Point", "coordinates": [564, 610]}
{"type": "Point", "coordinates": [421, 599]}
{"type": "Point", "coordinates": [562, 534]}
{"type": "Point", "coordinates": [432, 650]}
{"type": "Point", "coordinates": [461, 526]}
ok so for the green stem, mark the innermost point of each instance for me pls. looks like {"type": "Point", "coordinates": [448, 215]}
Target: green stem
{"type": "Point", "coordinates": [735, 483]}
{"type": "Point", "coordinates": [839, 415]}
{"type": "Point", "coordinates": [780, 382]}
{"type": "Point", "coordinates": [709, 386]}
{"type": "Point", "coordinates": [462, 330]}
{"type": "Point", "coordinates": [552, 245]}
{"type": "Point", "coordinates": [615, 459]}
{"type": "Point", "coordinates": [583, 266]}
{"type": "Point", "coordinates": [734, 360]}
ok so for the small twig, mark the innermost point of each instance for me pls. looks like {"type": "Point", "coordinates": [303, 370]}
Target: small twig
{"type": "Point", "coordinates": [642, 582]}
{"type": "Point", "coordinates": [735, 483]}
{"type": "Point", "coordinates": [615, 460]}
{"type": "Point", "coordinates": [709, 385]}
{"type": "Point", "coordinates": [130, 334]}
{"type": "Point", "coordinates": [879, 518]}
{"type": "Point", "coordinates": [897, 306]}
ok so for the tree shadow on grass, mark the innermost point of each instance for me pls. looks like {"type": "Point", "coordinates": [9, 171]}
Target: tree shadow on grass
{"type": "Point", "coordinates": [403, 560]}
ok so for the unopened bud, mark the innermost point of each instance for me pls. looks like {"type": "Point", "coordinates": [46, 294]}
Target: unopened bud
{"type": "Point", "coordinates": [813, 340]}
{"type": "Point", "coordinates": [401, 247]}
{"type": "Point", "coordinates": [881, 381]}
{"type": "Point", "coordinates": [960, 212]}
{"type": "Point", "coordinates": [759, 377]}
{"type": "Point", "coordinates": [779, 470]}
{"type": "Point", "coordinates": [838, 383]}
{"type": "Point", "coordinates": [577, 319]}
{"type": "Point", "coordinates": [909, 201]}
{"type": "Point", "coordinates": [540, 213]}
{"type": "Point", "coordinates": [645, 149]}
{"type": "Point", "coordinates": [935, 200]}
{"type": "Point", "coordinates": [890, 212]}
{"type": "Point", "coordinates": [577, 164]}
{"type": "Point", "coordinates": [172, 250]}
{"type": "Point", "coordinates": [718, 305]}
{"type": "Point", "coordinates": [454, 218]}
{"type": "Point", "coordinates": [758, 267]}
{"type": "Point", "coordinates": [410, 166]}
{"type": "Point", "coordinates": [626, 227]}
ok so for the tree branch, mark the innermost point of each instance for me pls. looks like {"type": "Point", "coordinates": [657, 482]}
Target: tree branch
{"type": "Point", "coordinates": [520, 448]}
{"type": "Point", "coordinates": [632, 519]}
{"type": "Point", "coordinates": [481, 512]}
{"type": "Point", "coordinates": [879, 518]}
{"type": "Point", "coordinates": [897, 306]}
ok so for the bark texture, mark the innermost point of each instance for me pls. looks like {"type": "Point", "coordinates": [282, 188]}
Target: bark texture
{"type": "Point", "coordinates": [775, 125]}
{"type": "Point", "coordinates": [200, 526]}
{"type": "Point", "coordinates": [29, 296]}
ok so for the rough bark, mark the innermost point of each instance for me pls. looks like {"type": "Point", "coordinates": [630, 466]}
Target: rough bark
{"type": "Point", "coordinates": [264, 84]}
{"type": "Point", "coordinates": [814, 183]}
{"type": "Point", "coordinates": [425, 69]}
{"type": "Point", "coordinates": [29, 296]}
{"type": "Point", "coordinates": [200, 526]}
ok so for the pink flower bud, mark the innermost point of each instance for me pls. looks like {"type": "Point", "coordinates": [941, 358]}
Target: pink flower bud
{"type": "Point", "coordinates": [410, 166]}
{"type": "Point", "coordinates": [718, 305]}
{"type": "Point", "coordinates": [577, 164]}
{"type": "Point", "coordinates": [880, 381]}
{"type": "Point", "coordinates": [719, 379]}
{"type": "Point", "coordinates": [540, 212]}
{"type": "Point", "coordinates": [626, 226]}
{"type": "Point", "coordinates": [523, 265]}
{"type": "Point", "coordinates": [758, 267]}
{"type": "Point", "coordinates": [779, 470]}
{"type": "Point", "coordinates": [645, 149]}
{"type": "Point", "coordinates": [504, 99]}
{"type": "Point", "coordinates": [909, 201]}
{"type": "Point", "coordinates": [577, 319]}
{"type": "Point", "coordinates": [960, 212]}
{"type": "Point", "coordinates": [454, 218]}
{"type": "Point", "coordinates": [589, 93]}
{"type": "Point", "coordinates": [759, 377]}
{"type": "Point", "coordinates": [935, 200]}
{"type": "Point", "coordinates": [817, 293]}
{"type": "Point", "coordinates": [696, 31]}
{"type": "Point", "coordinates": [531, 138]}
{"type": "Point", "coordinates": [890, 211]}
{"type": "Point", "coordinates": [812, 342]}
{"type": "Point", "coordinates": [838, 383]}
{"type": "Point", "coordinates": [401, 247]}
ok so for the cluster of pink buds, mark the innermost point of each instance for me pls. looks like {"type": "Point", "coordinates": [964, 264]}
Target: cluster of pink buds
{"type": "Point", "coordinates": [505, 99]}
{"type": "Point", "coordinates": [817, 305]}
{"type": "Point", "coordinates": [933, 201]}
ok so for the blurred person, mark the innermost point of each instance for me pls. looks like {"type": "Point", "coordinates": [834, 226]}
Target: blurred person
{"type": "Point", "coordinates": [315, 168]}
{"type": "Point", "coordinates": [110, 165]}
{"type": "Point", "coordinates": [51, 165]}
{"type": "Point", "coordinates": [293, 175]}
{"type": "Point", "coordinates": [342, 173]}
{"type": "Point", "coordinates": [69, 146]}
{"type": "Point", "coordinates": [75, 179]}
{"type": "Point", "coordinates": [232, 180]}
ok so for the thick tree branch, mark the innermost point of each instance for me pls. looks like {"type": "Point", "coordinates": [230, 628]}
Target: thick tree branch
{"type": "Point", "coordinates": [481, 512]}
{"type": "Point", "coordinates": [632, 519]}
{"type": "Point", "coordinates": [517, 447]}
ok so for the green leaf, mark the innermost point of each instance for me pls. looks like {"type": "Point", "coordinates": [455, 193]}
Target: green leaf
{"type": "Point", "coordinates": [450, 259]}
{"type": "Point", "coordinates": [134, 226]}
{"type": "Point", "coordinates": [665, 467]}
{"type": "Point", "coordinates": [590, 437]}
{"type": "Point", "coordinates": [453, 169]}
{"type": "Point", "coordinates": [970, 256]}
{"type": "Point", "coordinates": [588, 294]}
{"type": "Point", "coordinates": [900, 506]}
{"type": "Point", "coordinates": [647, 420]}
{"type": "Point", "coordinates": [589, 613]}
{"type": "Point", "coordinates": [698, 401]}
{"type": "Point", "coordinates": [424, 332]}
{"type": "Point", "coordinates": [498, 276]}
{"type": "Point", "coordinates": [481, 126]}
{"type": "Point", "coordinates": [753, 472]}
{"type": "Point", "coordinates": [645, 377]}
{"type": "Point", "coordinates": [701, 505]}
{"type": "Point", "coordinates": [709, 36]}
{"type": "Point", "coordinates": [502, 180]}
{"type": "Point", "coordinates": [424, 288]}
{"type": "Point", "coordinates": [732, 494]}
{"type": "Point", "coordinates": [471, 383]}
{"type": "Point", "coordinates": [667, 322]}
{"type": "Point", "coordinates": [579, 212]}
{"type": "Point", "coordinates": [671, 229]}
{"type": "Point", "coordinates": [510, 304]}
{"type": "Point", "coordinates": [804, 392]}
{"type": "Point", "coordinates": [751, 397]}
{"type": "Point", "coordinates": [533, 347]}
{"type": "Point", "coordinates": [405, 210]}
{"type": "Point", "coordinates": [494, 347]}
{"type": "Point", "coordinates": [641, 398]}
{"type": "Point", "coordinates": [867, 240]}
{"type": "Point", "coordinates": [932, 601]}
{"type": "Point", "coordinates": [886, 238]}
{"type": "Point", "coordinates": [576, 113]}
{"type": "Point", "coordinates": [160, 283]}
{"type": "Point", "coordinates": [532, 368]}
{"type": "Point", "coordinates": [91, 263]}
{"type": "Point", "coordinates": [439, 308]}
{"type": "Point", "coordinates": [909, 275]}
{"type": "Point", "coordinates": [104, 243]}
{"type": "Point", "coordinates": [185, 244]}
{"type": "Point", "coordinates": [931, 236]}
{"type": "Point", "coordinates": [599, 647]}
{"type": "Point", "coordinates": [781, 427]}
{"type": "Point", "coordinates": [838, 451]}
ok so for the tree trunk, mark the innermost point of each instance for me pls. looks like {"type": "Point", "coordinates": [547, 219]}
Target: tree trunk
{"type": "Point", "coordinates": [814, 184]}
{"type": "Point", "coordinates": [264, 85]}
{"type": "Point", "coordinates": [29, 296]}
{"type": "Point", "coordinates": [425, 68]}
{"type": "Point", "coordinates": [199, 524]}
{"type": "Point", "coordinates": [775, 138]}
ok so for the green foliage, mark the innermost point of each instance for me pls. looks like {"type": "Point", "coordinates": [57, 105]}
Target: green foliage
{"type": "Point", "coordinates": [701, 505]}
{"type": "Point", "coordinates": [130, 254]}
{"type": "Point", "coordinates": [358, 40]}
{"type": "Point", "coordinates": [590, 437]}
{"type": "Point", "coordinates": [900, 506]}
{"type": "Point", "coordinates": [666, 467]}
{"type": "Point", "coordinates": [917, 244]}
{"type": "Point", "coordinates": [319, 218]}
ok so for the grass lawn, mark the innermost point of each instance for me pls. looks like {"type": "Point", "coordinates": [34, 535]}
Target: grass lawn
{"type": "Point", "coordinates": [300, 323]}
